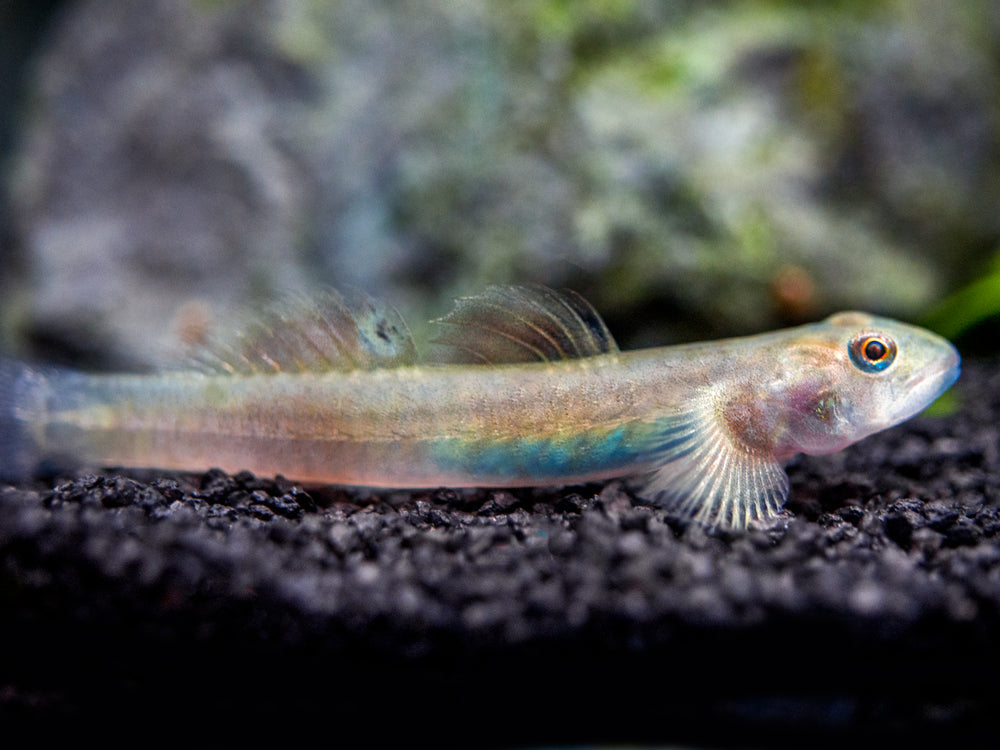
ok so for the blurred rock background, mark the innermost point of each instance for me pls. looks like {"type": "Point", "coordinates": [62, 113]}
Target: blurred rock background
{"type": "Point", "coordinates": [694, 168]}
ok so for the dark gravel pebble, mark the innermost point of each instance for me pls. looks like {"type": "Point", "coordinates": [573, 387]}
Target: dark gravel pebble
{"type": "Point", "coordinates": [260, 611]}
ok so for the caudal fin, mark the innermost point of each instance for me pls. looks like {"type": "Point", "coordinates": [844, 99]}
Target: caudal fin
{"type": "Point", "coordinates": [22, 397]}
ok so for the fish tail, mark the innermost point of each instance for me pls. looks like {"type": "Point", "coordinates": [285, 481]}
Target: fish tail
{"type": "Point", "coordinates": [23, 396]}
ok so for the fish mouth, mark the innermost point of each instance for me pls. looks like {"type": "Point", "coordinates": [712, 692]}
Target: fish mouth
{"type": "Point", "coordinates": [926, 386]}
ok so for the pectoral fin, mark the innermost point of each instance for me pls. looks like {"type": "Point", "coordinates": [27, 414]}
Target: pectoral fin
{"type": "Point", "coordinates": [706, 472]}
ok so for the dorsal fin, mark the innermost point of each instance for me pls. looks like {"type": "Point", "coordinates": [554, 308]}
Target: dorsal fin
{"type": "Point", "coordinates": [530, 323]}
{"type": "Point", "coordinates": [321, 333]}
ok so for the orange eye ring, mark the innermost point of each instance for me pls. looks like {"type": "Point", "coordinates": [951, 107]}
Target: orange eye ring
{"type": "Point", "coordinates": [872, 352]}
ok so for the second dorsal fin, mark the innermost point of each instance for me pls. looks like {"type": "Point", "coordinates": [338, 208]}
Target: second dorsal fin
{"type": "Point", "coordinates": [529, 323]}
{"type": "Point", "coordinates": [321, 333]}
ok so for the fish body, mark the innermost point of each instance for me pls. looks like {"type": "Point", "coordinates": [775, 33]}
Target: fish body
{"type": "Point", "coordinates": [537, 393]}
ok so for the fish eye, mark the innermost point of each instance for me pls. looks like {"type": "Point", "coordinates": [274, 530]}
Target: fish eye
{"type": "Point", "coordinates": [872, 352]}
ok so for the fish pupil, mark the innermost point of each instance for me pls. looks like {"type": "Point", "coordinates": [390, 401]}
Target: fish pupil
{"type": "Point", "coordinates": [875, 350]}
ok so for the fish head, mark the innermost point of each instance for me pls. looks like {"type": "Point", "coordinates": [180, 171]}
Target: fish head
{"type": "Point", "coordinates": [855, 374]}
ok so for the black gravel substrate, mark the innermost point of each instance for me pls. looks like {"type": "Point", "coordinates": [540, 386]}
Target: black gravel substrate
{"type": "Point", "coordinates": [218, 609]}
